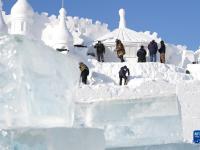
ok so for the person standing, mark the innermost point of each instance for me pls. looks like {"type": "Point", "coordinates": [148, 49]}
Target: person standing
{"type": "Point", "coordinates": [123, 75]}
{"type": "Point", "coordinates": [120, 50]}
{"type": "Point", "coordinates": [84, 72]}
{"type": "Point", "coordinates": [141, 54]}
{"type": "Point", "coordinates": [153, 48]}
{"type": "Point", "coordinates": [100, 50]}
{"type": "Point", "coordinates": [162, 51]}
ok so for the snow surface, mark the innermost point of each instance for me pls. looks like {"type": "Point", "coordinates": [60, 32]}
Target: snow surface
{"type": "Point", "coordinates": [194, 70]}
{"type": "Point", "coordinates": [146, 79]}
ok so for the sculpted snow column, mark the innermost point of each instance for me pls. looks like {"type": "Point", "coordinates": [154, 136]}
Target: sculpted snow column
{"type": "Point", "coordinates": [3, 26]}
{"type": "Point", "coordinates": [21, 18]}
{"type": "Point", "coordinates": [63, 38]}
{"type": "Point", "coordinates": [122, 22]}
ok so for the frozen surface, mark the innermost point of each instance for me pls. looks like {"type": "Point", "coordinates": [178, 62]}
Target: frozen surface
{"type": "Point", "coordinates": [34, 85]}
{"type": "Point", "coordinates": [52, 139]}
{"type": "Point", "coordinates": [189, 96]}
{"type": "Point", "coordinates": [173, 146]}
{"type": "Point", "coordinates": [135, 122]}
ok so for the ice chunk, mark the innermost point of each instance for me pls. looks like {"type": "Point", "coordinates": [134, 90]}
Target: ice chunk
{"type": "Point", "coordinates": [52, 139]}
{"type": "Point", "coordinates": [35, 84]}
{"type": "Point", "coordinates": [137, 122]}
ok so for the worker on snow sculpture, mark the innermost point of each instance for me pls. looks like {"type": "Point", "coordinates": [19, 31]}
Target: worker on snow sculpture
{"type": "Point", "coordinates": [123, 75]}
{"type": "Point", "coordinates": [141, 54]}
{"type": "Point", "coordinates": [100, 51]}
{"type": "Point", "coordinates": [162, 51]}
{"type": "Point", "coordinates": [120, 50]}
{"type": "Point", "coordinates": [84, 72]}
{"type": "Point", "coordinates": [153, 48]}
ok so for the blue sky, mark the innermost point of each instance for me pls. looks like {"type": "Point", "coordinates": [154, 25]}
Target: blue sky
{"type": "Point", "coordinates": [176, 21]}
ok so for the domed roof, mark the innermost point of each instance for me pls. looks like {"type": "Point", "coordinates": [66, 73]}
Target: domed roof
{"type": "Point", "coordinates": [22, 9]}
{"type": "Point", "coordinates": [127, 36]}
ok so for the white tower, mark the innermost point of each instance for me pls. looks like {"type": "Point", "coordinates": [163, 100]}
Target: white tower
{"type": "Point", "coordinates": [21, 18]}
{"type": "Point", "coordinates": [122, 22]}
{"type": "Point", "coordinates": [3, 26]}
{"type": "Point", "coordinates": [63, 38]}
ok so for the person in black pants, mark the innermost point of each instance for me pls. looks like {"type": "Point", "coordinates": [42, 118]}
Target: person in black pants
{"type": "Point", "coordinates": [100, 51]}
{"type": "Point", "coordinates": [122, 75]}
{"type": "Point", "coordinates": [141, 54]}
{"type": "Point", "coordinates": [84, 72]}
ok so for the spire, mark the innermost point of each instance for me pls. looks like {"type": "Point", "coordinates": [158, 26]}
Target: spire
{"type": "Point", "coordinates": [63, 38]}
{"type": "Point", "coordinates": [122, 22]}
{"type": "Point", "coordinates": [62, 3]}
{"type": "Point", "coordinates": [62, 18]}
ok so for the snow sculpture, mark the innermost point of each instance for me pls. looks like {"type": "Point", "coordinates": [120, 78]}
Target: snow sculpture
{"type": "Point", "coordinates": [122, 22]}
{"type": "Point", "coordinates": [63, 38]}
{"type": "Point", "coordinates": [21, 18]}
{"type": "Point", "coordinates": [3, 26]}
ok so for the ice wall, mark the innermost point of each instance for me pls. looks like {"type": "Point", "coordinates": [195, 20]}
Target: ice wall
{"type": "Point", "coordinates": [35, 84]}
{"type": "Point", "coordinates": [135, 122]}
{"type": "Point", "coordinates": [52, 139]}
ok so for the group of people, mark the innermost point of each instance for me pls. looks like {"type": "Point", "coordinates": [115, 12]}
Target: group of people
{"type": "Point", "coordinates": [141, 53]}
{"type": "Point", "coordinates": [153, 49]}
{"type": "Point", "coordinates": [100, 50]}
{"type": "Point", "coordinates": [124, 71]}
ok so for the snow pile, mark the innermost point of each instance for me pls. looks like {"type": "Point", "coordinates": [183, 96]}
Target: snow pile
{"type": "Point", "coordinates": [35, 84]}
{"type": "Point", "coordinates": [194, 69]}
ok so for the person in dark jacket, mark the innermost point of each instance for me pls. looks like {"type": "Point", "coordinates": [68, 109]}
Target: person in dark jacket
{"type": "Point", "coordinates": [84, 72]}
{"type": "Point", "coordinates": [153, 48]}
{"type": "Point", "coordinates": [120, 50]}
{"type": "Point", "coordinates": [162, 51]}
{"type": "Point", "coordinates": [100, 49]}
{"type": "Point", "coordinates": [141, 54]}
{"type": "Point", "coordinates": [123, 75]}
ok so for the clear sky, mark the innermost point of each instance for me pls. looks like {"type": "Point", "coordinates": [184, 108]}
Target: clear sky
{"type": "Point", "coordinates": [176, 21]}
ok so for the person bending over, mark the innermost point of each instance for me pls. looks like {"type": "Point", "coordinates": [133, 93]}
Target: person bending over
{"type": "Point", "coordinates": [123, 75]}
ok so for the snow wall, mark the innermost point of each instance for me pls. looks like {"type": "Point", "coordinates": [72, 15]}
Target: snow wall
{"type": "Point", "coordinates": [35, 84]}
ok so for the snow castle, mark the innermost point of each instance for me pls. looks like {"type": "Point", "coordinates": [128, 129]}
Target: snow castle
{"type": "Point", "coordinates": [43, 107]}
